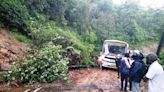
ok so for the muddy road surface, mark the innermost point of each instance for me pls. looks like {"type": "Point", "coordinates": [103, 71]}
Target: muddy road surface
{"type": "Point", "coordinates": [96, 79]}
{"type": "Point", "coordinates": [80, 80]}
{"type": "Point", "coordinates": [89, 80]}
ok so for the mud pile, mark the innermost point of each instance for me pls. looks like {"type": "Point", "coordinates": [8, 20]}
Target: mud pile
{"type": "Point", "coordinates": [10, 49]}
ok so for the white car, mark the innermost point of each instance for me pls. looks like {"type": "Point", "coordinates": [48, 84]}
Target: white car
{"type": "Point", "coordinates": [110, 49]}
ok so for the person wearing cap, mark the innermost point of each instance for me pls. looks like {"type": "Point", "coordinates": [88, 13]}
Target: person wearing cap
{"type": "Point", "coordinates": [155, 74]}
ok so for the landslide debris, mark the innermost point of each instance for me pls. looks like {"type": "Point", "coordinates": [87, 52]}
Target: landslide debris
{"type": "Point", "coordinates": [10, 49]}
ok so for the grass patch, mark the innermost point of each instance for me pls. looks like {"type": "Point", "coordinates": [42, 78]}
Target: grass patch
{"type": "Point", "coordinates": [21, 38]}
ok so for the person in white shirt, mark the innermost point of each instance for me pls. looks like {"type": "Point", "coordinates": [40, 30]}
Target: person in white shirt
{"type": "Point", "coordinates": [155, 74]}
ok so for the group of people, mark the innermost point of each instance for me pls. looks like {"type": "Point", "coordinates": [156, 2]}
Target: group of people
{"type": "Point", "coordinates": [132, 69]}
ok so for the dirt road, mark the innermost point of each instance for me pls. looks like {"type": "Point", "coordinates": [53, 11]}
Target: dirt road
{"type": "Point", "coordinates": [89, 80]}
{"type": "Point", "coordinates": [80, 80]}
{"type": "Point", "coordinates": [95, 79]}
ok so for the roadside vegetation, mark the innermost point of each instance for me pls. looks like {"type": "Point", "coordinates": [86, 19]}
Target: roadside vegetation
{"type": "Point", "coordinates": [162, 59]}
{"type": "Point", "coordinates": [67, 32]}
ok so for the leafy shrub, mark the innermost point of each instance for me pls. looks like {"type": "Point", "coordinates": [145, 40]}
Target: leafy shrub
{"type": "Point", "coordinates": [43, 32]}
{"type": "Point", "coordinates": [14, 14]}
{"type": "Point", "coordinates": [47, 66]}
{"type": "Point", "coordinates": [78, 43]}
{"type": "Point", "coordinates": [91, 37]}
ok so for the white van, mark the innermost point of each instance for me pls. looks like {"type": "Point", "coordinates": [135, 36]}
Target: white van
{"type": "Point", "coordinates": [109, 51]}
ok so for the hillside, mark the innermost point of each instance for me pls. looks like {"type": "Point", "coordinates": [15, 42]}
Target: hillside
{"type": "Point", "coordinates": [10, 49]}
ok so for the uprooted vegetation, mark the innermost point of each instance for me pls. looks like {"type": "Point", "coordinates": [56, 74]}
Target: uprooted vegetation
{"type": "Point", "coordinates": [46, 66]}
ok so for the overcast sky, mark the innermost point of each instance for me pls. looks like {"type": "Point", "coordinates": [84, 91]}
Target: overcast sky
{"type": "Point", "coordinates": [145, 3]}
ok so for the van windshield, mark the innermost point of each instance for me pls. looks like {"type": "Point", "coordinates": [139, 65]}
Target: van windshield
{"type": "Point", "coordinates": [116, 49]}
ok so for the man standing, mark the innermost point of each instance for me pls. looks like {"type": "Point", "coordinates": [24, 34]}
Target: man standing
{"type": "Point", "coordinates": [155, 74]}
{"type": "Point", "coordinates": [124, 70]}
{"type": "Point", "coordinates": [136, 71]}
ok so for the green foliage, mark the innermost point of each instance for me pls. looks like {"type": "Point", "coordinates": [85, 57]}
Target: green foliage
{"type": "Point", "coordinates": [43, 33]}
{"type": "Point", "coordinates": [49, 31]}
{"type": "Point", "coordinates": [90, 38]}
{"type": "Point", "coordinates": [94, 20]}
{"type": "Point", "coordinates": [162, 59]}
{"type": "Point", "coordinates": [52, 9]}
{"type": "Point", "coordinates": [14, 14]}
{"type": "Point", "coordinates": [46, 66]}
{"type": "Point", "coordinates": [127, 22]}
{"type": "Point", "coordinates": [78, 44]}
{"type": "Point", "coordinates": [21, 38]}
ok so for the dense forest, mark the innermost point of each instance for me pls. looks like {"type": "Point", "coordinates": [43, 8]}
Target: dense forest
{"type": "Point", "coordinates": [61, 32]}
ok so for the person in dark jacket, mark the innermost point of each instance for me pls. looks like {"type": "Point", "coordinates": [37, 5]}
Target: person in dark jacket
{"type": "Point", "coordinates": [124, 70]}
{"type": "Point", "coordinates": [124, 77]}
{"type": "Point", "coordinates": [135, 71]}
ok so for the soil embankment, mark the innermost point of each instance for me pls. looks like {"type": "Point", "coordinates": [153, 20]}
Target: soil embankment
{"type": "Point", "coordinates": [10, 49]}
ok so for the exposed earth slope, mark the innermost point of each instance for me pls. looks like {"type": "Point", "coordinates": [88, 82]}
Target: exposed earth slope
{"type": "Point", "coordinates": [10, 49]}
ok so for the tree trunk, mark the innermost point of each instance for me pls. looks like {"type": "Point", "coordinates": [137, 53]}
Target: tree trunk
{"type": "Point", "coordinates": [160, 44]}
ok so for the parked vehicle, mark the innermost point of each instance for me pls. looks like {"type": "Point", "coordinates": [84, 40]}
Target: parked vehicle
{"type": "Point", "coordinates": [110, 49]}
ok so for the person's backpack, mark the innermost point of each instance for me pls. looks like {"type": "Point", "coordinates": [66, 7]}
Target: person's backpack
{"type": "Point", "coordinates": [143, 70]}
